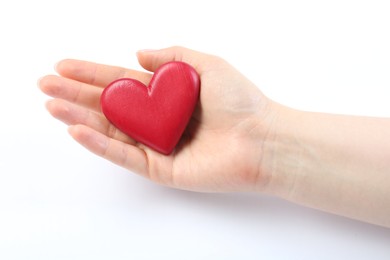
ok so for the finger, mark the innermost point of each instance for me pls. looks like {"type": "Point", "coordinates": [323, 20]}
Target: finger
{"type": "Point", "coordinates": [72, 114]}
{"type": "Point", "coordinates": [152, 59]}
{"type": "Point", "coordinates": [97, 74]}
{"type": "Point", "coordinates": [125, 155]}
{"type": "Point", "coordinates": [74, 91]}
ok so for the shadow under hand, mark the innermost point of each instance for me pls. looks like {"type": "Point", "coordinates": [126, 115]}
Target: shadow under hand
{"type": "Point", "coordinates": [259, 211]}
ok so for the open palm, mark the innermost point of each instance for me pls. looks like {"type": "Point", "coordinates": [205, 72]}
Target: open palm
{"type": "Point", "coordinates": [221, 148]}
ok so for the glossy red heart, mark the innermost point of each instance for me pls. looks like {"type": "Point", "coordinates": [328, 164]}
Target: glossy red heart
{"type": "Point", "coordinates": [155, 115]}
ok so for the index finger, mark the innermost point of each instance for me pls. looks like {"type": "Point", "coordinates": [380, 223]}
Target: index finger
{"type": "Point", "coordinates": [97, 74]}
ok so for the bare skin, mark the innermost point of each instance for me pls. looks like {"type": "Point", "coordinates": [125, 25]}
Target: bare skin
{"type": "Point", "coordinates": [237, 140]}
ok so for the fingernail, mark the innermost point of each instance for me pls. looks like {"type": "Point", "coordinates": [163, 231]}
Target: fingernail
{"type": "Point", "coordinates": [39, 82]}
{"type": "Point", "coordinates": [56, 66]}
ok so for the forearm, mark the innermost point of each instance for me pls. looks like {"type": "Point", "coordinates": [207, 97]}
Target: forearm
{"type": "Point", "coordinates": [340, 164]}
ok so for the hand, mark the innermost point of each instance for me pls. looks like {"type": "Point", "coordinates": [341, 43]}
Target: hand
{"type": "Point", "coordinates": [221, 149]}
{"type": "Point", "coordinates": [237, 139]}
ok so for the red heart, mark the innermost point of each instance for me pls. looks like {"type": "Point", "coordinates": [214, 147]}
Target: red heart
{"type": "Point", "coordinates": [155, 115]}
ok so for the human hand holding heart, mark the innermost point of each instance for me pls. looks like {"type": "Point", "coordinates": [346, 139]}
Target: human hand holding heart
{"type": "Point", "coordinates": [236, 139]}
{"type": "Point", "coordinates": [218, 150]}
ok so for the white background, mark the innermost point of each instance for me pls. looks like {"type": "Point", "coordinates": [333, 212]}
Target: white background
{"type": "Point", "coordinates": [58, 201]}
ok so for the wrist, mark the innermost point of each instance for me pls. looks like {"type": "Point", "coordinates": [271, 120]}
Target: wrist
{"type": "Point", "coordinates": [280, 153]}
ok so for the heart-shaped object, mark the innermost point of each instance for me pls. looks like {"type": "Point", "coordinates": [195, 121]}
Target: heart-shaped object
{"type": "Point", "coordinates": [155, 115]}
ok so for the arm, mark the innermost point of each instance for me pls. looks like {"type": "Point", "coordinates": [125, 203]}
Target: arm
{"type": "Point", "coordinates": [237, 139]}
{"type": "Point", "coordinates": [336, 163]}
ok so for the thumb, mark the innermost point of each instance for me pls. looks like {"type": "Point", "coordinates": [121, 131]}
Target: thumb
{"type": "Point", "coordinates": [152, 59]}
